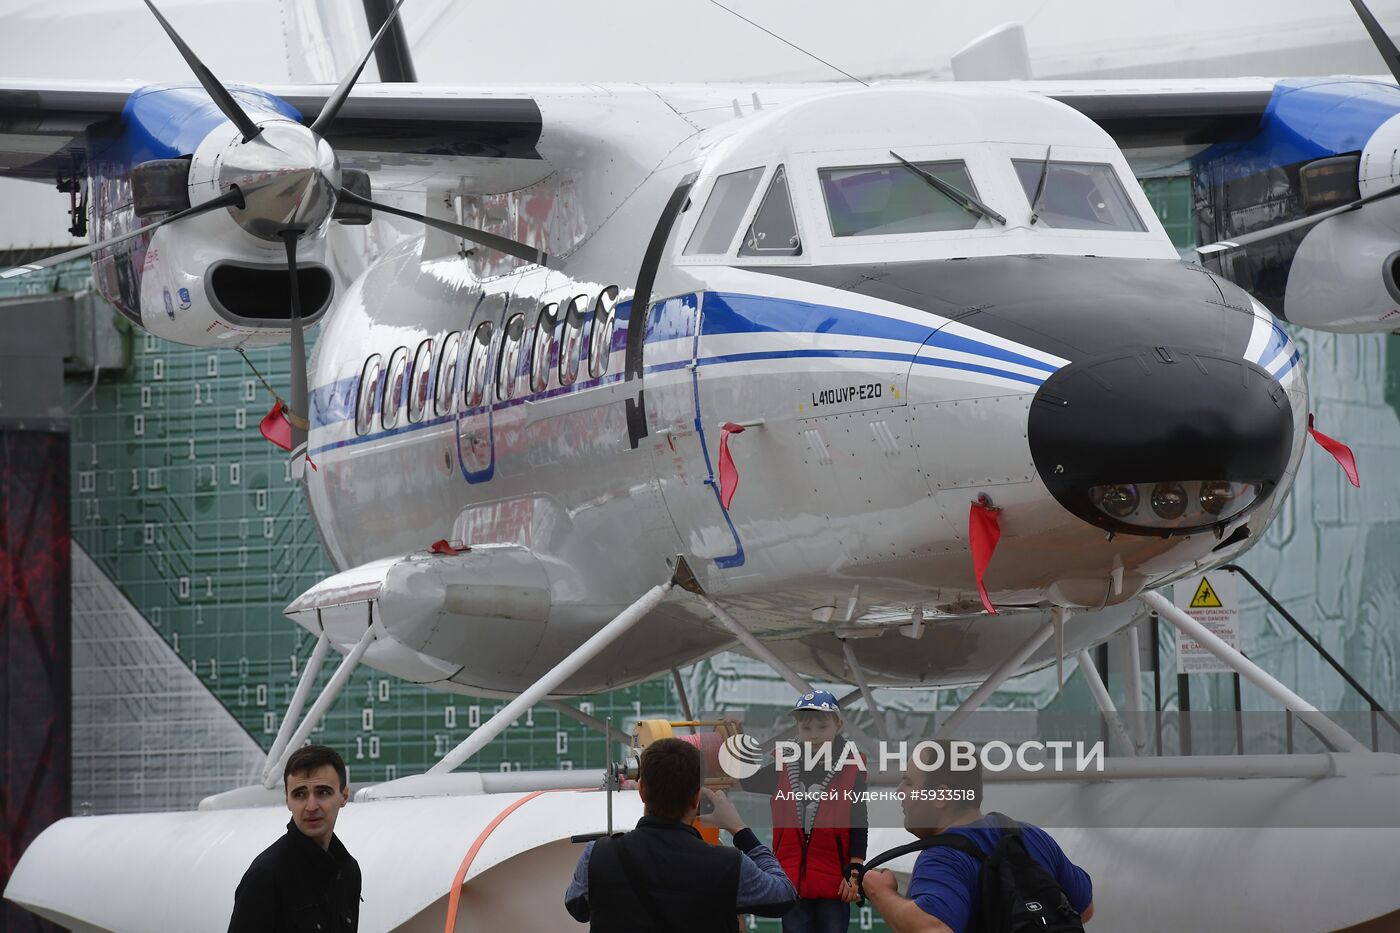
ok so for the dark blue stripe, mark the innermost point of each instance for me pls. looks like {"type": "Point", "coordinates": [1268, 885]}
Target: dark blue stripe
{"type": "Point", "coordinates": [749, 314]}
{"type": "Point", "coordinates": [1278, 339]}
{"type": "Point", "coordinates": [726, 314]}
{"type": "Point", "coordinates": [1286, 367]}
{"type": "Point", "coordinates": [707, 361]}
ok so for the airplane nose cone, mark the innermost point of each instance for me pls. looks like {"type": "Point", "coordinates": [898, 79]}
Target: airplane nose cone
{"type": "Point", "coordinates": [1162, 440]}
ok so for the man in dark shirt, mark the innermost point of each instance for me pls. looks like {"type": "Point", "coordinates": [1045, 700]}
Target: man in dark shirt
{"type": "Point", "coordinates": [306, 880]}
{"type": "Point", "coordinates": [662, 876]}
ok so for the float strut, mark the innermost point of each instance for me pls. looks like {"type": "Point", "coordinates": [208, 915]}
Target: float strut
{"type": "Point", "coordinates": [320, 707]}
{"type": "Point", "coordinates": [1327, 730]}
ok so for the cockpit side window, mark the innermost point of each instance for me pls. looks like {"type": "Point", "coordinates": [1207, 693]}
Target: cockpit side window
{"type": "Point", "coordinates": [774, 228]}
{"type": "Point", "coordinates": [882, 200]}
{"type": "Point", "coordinates": [719, 221]}
{"type": "Point", "coordinates": [1078, 196]}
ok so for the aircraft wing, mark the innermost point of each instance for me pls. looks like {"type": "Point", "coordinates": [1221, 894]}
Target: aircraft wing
{"type": "Point", "coordinates": [402, 133]}
{"type": "Point", "coordinates": [412, 133]}
{"type": "Point", "coordinates": [1143, 114]}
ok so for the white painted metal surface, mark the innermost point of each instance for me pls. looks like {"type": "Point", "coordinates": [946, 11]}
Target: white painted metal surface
{"type": "Point", "coordinates": [107, 873]}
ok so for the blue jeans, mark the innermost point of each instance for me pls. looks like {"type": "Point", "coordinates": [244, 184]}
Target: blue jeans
{"type": "Point", "coordinates": [817, 916]}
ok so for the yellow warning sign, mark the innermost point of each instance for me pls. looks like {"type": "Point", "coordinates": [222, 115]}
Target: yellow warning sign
{"type": "Point", "coordinates": [1205, 597]}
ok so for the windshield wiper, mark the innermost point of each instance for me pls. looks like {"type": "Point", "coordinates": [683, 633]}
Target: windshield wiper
{"type": "Point", "coordinates": [966, 201]}
{"type": "Point", "coordinates": [1040, 187]}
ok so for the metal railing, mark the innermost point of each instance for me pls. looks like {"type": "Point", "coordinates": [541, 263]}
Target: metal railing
{"type": "Point", "coordinates": [1377, 711]}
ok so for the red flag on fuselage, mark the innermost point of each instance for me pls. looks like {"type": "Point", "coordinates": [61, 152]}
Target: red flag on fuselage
{"type": "Point", "coordinates": [728, 473]}
{"type": "Point", "coordinates": [984, 531]}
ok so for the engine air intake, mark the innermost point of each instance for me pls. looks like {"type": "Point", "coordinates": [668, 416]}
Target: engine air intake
{"type": "Point", "coordinates": [261, 295]}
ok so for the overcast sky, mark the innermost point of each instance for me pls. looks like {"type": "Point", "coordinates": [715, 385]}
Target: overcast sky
{"type": "Point", "coordinates": [473, 41]}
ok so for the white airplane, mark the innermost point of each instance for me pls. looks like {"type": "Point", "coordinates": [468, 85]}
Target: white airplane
{"type": "Point", "coordinates": [903, 384]}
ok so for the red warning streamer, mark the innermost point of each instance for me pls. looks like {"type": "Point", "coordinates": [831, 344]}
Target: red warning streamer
{"type": "Point", "coordinates": [984, 530]}
{"type": "Point", "coordinates": [728, 473]}
{"type": "Point", "coordinates": [277, 429]}
{"type": "Point", "coordinates": [275, 426]}
{"type": "Point", "coordinates": [1337, 449]}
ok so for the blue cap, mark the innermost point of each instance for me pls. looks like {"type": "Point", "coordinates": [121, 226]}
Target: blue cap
{"type": "Point", "coordinates": [820, 700]}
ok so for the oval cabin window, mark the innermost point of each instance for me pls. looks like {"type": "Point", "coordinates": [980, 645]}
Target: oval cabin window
{"type": "Point", "coordinates": [448, 367]}
{"type": "Point", "coordinates": [546, 330]}
{"type": "Point", "coordinates": [604, 319]}
{"type": "Point", "coordinates": [571, 341]}
{"type": "Point", "coordinates": [508, 370]}
{"type": "Point", "coordinates": [478, 365]}
{"type": "Point", "coordinates": [394, 388]}
{"type": "Point", "coordinates": [369, 395]}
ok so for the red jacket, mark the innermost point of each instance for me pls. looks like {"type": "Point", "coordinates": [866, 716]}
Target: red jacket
{"type": "Point", "coordinates": [815, 862]}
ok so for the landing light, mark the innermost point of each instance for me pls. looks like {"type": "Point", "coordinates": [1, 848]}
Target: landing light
{"type": "Point", "coordinates": [1181, 506]}
{"type": "Point", "coordinates": [1120, 501]}
{"type": "Point", "coordinates": [1169, 501]}
{"type": "Point", "coordinates": [1216, 496]}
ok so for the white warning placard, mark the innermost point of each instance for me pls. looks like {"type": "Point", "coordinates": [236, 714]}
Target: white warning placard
{"type": "Point", "coordinates": [1213, 600]}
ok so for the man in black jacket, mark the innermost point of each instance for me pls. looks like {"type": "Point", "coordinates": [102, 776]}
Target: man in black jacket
{"type": "Point", "coordinates": [306, 880]}
{"type": "Point", "coordinates": [662, 876]}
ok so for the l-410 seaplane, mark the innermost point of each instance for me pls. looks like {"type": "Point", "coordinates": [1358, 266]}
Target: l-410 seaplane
{"type": "Point", "coordinates": [892, 385]}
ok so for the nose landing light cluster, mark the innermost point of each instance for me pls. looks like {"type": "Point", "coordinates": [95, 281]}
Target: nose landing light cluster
{"type": "Point", "coordinates": [1173, 505]}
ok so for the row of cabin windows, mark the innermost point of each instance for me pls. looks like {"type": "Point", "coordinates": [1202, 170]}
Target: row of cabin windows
{"type": "Point", "coordinates": [560, 327]}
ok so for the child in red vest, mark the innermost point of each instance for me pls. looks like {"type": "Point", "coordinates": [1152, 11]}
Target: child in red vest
{"type": "Point", "coordinates": [820, 823]}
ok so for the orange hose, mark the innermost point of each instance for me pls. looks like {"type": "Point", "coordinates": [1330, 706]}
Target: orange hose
{"type": "Point", "coordinates": [456, 892]}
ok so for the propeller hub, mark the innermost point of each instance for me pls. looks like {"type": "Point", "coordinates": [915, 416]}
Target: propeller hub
{"type": "Point", "coordinates": [289, 177]}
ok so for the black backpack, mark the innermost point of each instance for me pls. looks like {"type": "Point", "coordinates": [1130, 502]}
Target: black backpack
{"type": "Point", "coordinates": [1018, 894]}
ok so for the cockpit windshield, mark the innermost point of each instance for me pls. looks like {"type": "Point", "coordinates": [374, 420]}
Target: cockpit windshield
{"type": "Point", "coordinates": [1078, 195]}
{"type": "Point", "coordinates": [876, 200]}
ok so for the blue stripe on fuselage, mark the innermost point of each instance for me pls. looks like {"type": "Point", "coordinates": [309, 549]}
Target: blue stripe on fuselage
{"type": "Point", "coordinates": [1278, 339]}
{"type": "Point", "coordinates": [726, 313]}
{"type": "Point", "coordinates": [744, 314]}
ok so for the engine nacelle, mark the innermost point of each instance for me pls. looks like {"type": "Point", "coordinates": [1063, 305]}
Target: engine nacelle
{"type": "Point", "coordinates": [216, 279]}
{"type": "Point", "coordinates": [1344, 275]}
{"type": "Point", "coordinates": [1323, 144]}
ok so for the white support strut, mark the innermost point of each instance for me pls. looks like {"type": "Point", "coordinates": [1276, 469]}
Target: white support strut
{"type": "Point", "coordinates": [1132, 701]}
{"type": "Point", "coordinates": [561, 672]}
{"type": "Point", "coordinates": [761, 651]}
{"type": "Point", "coordinates": [1104, 701]}
{"type": "Point", "coordinates": [1003, 673]}
{"type": "Point", "coordinates": [320, 707]}
{"type": "Point", "coordinates": [1132, 694]}
{"type": "Point", "coordinates": [1330, 732]}
{"type": "Point", "coordinates": [757, 648]}
{"type": "Point", "coordinates": [292, 717]}
{"type": "Point", "coordinates": [592, 722]}
{"type": "Point", "coordinates": [859, 674]}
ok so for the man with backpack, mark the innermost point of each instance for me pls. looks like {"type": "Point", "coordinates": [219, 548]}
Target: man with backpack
{"type": "Point", "coordinates": [976, 873]}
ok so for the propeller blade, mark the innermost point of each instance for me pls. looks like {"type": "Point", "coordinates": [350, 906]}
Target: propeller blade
{"type": "Point", "coordinates": [489, 240]}
{"type": "Point", "coordinates": [1384, 44]}
{"type": "Point", "coordinates": [297, 416]}
{"type": "Point", "coordinates": [1269, 233]}
{"type": "Point", "coordinates": [334, 102]}
{"type": "Point", "coordinates": [232, 198]}
{"type": "Point", "coordinates": [211, 84]}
